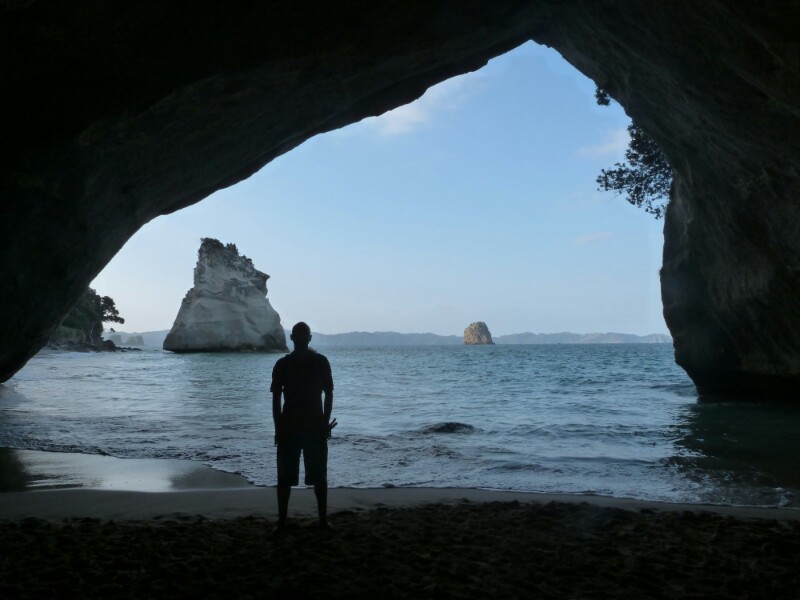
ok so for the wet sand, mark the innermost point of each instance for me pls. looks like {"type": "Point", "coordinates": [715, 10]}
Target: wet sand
{"type": "Point", "coordinates": [36, 470]}
{"type": "Point", "coordinates": [389, 543]}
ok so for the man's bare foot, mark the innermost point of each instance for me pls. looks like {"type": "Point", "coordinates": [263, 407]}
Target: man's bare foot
{"type": "Point", "coordinates": [327, 527]}
{"type": "Point", "coordinates": [280, 529]}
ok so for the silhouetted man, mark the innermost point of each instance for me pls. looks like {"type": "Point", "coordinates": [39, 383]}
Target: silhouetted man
{"type": "Point", "coordinates": [303, 425]}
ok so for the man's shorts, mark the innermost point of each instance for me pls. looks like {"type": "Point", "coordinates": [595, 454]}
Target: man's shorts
{"type": "Point", "coordinates": [314, 447]}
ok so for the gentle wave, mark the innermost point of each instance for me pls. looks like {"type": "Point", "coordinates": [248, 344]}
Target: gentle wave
{"type": "Point", "coordinates": [449, 427]}
{"type": "Point", "coordinates": [620, 420]}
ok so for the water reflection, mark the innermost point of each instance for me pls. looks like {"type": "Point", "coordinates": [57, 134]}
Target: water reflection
{"type": "Point", "coordinates": [32, 469]}
{"type": "Point", "coordinates": [13, 476]}
{"type": "Point", "coordinates": [741, 453]}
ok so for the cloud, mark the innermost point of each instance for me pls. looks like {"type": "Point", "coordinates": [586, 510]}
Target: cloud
{"type": "Point", "coordinates": [593, 237]}
{"type": "Point", "coordinates": [402, 120]}
{"type": "Point", "coordinates": [615, 143]}
{"type": "Point", "coordinates": [448, 95]}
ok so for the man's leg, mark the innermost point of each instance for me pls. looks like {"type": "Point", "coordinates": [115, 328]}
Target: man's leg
{"type": "Point", "coordinates": [321, 492]}
{"type": "Point", "coordinates": [315, 456]}
{"type": "Point", "coordinates": [288, 471]}
{"type": "Point", "coordinates": [284, 491]}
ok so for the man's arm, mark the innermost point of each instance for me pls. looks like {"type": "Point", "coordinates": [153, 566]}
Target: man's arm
{"type": "Point", "coordinates": [327, 406]}
{"type": "Point", "coordinates": [328, 409]}
{"type": "Point", "coordinates": [327, 391]}
{"type": "Point", "coordinates": [276, 412]}
{"type": "Point", "coordinates": [276, 387]}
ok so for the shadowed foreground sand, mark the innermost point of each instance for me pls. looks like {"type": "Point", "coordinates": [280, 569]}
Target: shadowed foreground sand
{"type": "Point", "coordinates": [463, 550]}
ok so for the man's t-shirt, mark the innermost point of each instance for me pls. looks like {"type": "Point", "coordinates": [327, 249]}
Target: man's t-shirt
{"type": "Point", "coordinates": [302, 377]}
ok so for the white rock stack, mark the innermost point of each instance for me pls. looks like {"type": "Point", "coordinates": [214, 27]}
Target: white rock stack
{"type": "Point", "coordinates": [227, 309]}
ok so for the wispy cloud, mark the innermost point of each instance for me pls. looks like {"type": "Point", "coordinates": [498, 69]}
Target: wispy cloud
{"type": "Point", "coordinates": [445, 96]}
{"type": "Point", "coordinates": [614, 143]}
{"type": "Point", "coordinates": [402, 120]}
{"type": "Point", "coordinates": [593, 237]}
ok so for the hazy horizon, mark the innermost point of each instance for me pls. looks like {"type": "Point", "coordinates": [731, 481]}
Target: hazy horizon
{"type": "Point", "coordinates": [123, 329]}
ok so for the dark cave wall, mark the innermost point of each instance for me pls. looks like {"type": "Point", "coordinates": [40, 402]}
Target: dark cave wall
{"type": "Point", "coordinates": [719, 92]}
{"type": "Point", "coordinates": [120, 113]}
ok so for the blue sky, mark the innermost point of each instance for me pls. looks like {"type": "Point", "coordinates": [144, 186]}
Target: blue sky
{"type": "Point", "coordinates": [476, 202]}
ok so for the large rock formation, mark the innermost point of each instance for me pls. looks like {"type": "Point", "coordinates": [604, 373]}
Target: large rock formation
{"type": "Point", "coordinates": [477, 333]}
{"type": "Point", "coordinates": [115, 114]}
{"type": "Point", "coordinates": [227, 309]}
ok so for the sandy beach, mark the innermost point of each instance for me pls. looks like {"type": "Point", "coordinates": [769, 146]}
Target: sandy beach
{"type": "Point", "coordinates": [388, 543]}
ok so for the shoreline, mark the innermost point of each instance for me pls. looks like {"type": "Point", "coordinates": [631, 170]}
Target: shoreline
{"type": "Point", "coordinates": [261, 502]}
{"type": "Point", "coordinates": [64, 485]}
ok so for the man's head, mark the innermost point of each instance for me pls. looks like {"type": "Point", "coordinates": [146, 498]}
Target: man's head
{"type": "Point", "coordinates": [301, 335]}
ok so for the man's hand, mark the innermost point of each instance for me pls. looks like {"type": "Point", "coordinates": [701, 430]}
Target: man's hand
{"type": "Point", "coordinates": [331, 425]}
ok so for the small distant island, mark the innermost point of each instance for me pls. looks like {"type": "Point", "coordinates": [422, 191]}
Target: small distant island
{"type": "Point", "coordinates": [477, 334]}
{"type": "Point", "coordinates": [129, 340]}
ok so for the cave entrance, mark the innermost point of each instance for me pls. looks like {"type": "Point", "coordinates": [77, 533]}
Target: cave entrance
{"type": "Point", "coordinates": [478, 201]}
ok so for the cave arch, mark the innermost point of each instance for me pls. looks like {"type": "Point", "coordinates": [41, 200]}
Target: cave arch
{"type": "Point", "coordinates": [118, 115]}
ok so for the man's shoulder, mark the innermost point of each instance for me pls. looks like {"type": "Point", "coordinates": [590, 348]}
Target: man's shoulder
{"type": "Point", "coordinates": [316, 355]}
{"type": "Point", "coordinates": [301, 357]}
{"type": "Point", "coordinates": [281, 362]}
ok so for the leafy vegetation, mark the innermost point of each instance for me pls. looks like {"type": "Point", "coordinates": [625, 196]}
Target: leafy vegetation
{"type": "Point", "coordinates": [646, 176]}
{"type": "Point", "coordinates": [89, 314]}
{"type": "Point", "coordinates": [230, 247]}
{"type": "Point", "coordinates": [213, 242]}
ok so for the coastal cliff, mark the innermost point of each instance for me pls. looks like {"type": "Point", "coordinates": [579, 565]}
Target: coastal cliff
{"type": "Point", "coordinates": [227, 309]}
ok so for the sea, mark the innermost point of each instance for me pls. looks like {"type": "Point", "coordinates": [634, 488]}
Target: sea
{"type": "Point", "coordinates": [620, 420]}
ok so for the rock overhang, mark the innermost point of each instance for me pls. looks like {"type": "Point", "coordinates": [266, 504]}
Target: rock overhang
{"type": "Point", "coordinates": [119, 114]}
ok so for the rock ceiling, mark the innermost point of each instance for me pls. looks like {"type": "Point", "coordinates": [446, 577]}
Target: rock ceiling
{"type": "Point", "coordinates": [115, 114]}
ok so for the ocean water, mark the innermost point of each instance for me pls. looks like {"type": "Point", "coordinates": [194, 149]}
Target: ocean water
{"type": "Point", "coordinates": [619, 420]}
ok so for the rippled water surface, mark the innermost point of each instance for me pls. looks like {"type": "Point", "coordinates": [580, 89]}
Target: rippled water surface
{"type": "Point", "coordinates": [621, 420]}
